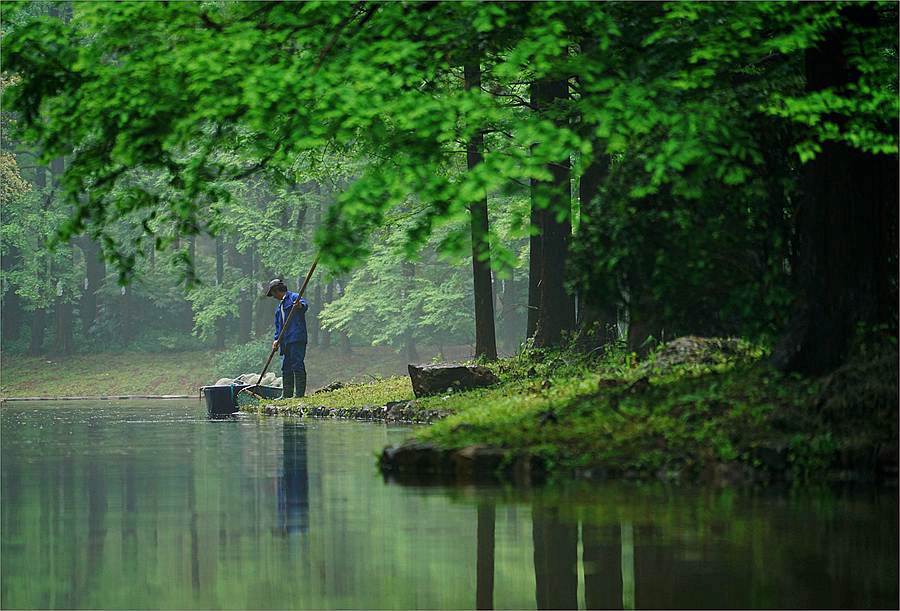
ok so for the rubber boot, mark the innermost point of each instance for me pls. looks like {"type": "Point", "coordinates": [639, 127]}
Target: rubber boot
{"type": "Point", "coordinates": [300, 383]}
{"type": "Point", "coordinates": [287, 380]}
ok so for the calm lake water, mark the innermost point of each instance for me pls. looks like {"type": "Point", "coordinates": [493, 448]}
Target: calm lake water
{"type": "Point", "coordinates": [151, 505]}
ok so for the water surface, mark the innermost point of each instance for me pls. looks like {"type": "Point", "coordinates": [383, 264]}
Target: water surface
{"type": "Point", "coordinates": [151, 505]}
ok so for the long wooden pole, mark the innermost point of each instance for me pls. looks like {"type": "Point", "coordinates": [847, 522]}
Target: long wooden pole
{"type": "Point", "coordinates": [288, 319]}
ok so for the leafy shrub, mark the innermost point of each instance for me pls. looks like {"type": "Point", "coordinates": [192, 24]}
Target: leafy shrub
{"type": "Point", "coordinates": [243, 358]}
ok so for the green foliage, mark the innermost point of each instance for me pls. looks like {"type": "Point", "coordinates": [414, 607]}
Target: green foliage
{"type": "Point", "coordinates": [678, 89]}
{"type": "Point", "coordinates": [243, 358]}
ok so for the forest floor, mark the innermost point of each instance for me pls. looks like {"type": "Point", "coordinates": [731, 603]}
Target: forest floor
{"type": "Point", "coordinates": [694, 409]}
{"type": "Point", "coordinates": [183, 372]}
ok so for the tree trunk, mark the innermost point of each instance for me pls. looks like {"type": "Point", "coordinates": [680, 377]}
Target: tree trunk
{"type": "Point", "coordinates": [245, 305]}
{"type": "Point", "coordinates": [596, 321]}
{"type": "Point", "coordinates": [512, 315]}
{"type": "Point", "coordinates": [535, 261]}
{"type": "Point", "coordinates": [187, 312]}
{"type": "Point", "coordinates": [326, 334]}
{"type": "Point", "coordinates": [315, 306]}
{"type": "Point", "coordinates": [12, 303]}
{"type": "Point", "coordinates": [346, 349]}
{"type": "Point", "coordinates": [95, 271]}
{"type": "Point", "coordinates": [38, 324]}
{"type": "Point", "coordinates": [221, 323]}
{"type": "Point", "coordinates": [63, 340]}
{"type": "Point", "coordinates": [556, 308]}
{"type": "Point", "coordinates": [485, 335]}
{"type": "Point", "coordinates": [846, 230]}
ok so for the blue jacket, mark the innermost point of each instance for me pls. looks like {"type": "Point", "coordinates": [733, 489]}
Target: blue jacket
{"type": "Point", "coordinates": [296, 331]}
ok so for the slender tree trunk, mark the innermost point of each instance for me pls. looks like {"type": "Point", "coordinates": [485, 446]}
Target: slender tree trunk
{"type": "Point", "coordinates": [485, 335]}
{"type": "Point", "coordinates": [187, 312]}
{"type": "Point", "coordinates": [326, 334]}
{"type": "Point", "coordinates": [38, 324]}
{"type": "Point", "coordinates": [846, 229]}
{"type": "Point", "coordinates": [409, 338]}
{"type": "Point", "coordinates": [535, 264]}
{"type": "Point", "coordinates": [12, 303]}
{"type": "Point", "coordinates": [38, 316]}
{"type": "Point", "coordinates": [346, 349]}
{"type": "Point", "coordinates": [95, 271]}
{"type": "Point", "coordinates": [315, 306]}
{"type": "Point", "coordinates": [221, 323]}
{"type": "Point", "coordinates": [556, 307]}
{"type": "Point", "coordinates": [63, 335]}
{"type": "Point", "coordinates": [244, 262]}
{"type": "Point", "coordinates": [512, 320]}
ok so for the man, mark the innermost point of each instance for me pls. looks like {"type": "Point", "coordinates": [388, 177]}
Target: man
{"type": "Point", "coordinates": [292, 345]}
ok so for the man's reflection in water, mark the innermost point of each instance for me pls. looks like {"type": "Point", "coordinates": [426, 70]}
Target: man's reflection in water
{"type": "Point", "coordinates": [293, 484]}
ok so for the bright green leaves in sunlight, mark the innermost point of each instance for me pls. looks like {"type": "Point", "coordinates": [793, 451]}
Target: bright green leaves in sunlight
{"type": "Point", "coordinates": [203, 95]}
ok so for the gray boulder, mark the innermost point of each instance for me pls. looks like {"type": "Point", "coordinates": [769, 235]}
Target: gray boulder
{"type": "Point", "coordinates": [268, 379]}
{"type": "Point", "coordinates": [278, 383]}
{"type": "Point", "coordinates": [434, 379]}
{"type": "Point", "coordinates": [224, 381]}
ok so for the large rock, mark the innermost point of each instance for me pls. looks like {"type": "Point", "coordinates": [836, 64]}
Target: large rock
{"type": "Point", "coordinates": [434, 379]}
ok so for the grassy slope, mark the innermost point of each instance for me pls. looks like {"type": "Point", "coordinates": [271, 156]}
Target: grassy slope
{"type": "Point", "coordinates": [175, 372]}
{"type": "Point", "coordinates": [680, 419]}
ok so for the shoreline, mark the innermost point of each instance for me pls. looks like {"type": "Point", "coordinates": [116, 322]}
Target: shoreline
{"type": "Point", "coordinates": [96, 398]}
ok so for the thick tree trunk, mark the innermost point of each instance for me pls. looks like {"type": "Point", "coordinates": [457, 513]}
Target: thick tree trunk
{"type": "Point", "coordinates": [485, 334]}
{"type": "Point", "coordinates": [596, 321]}
{"type": "Point", "coordinates": [846, 231]}
{"type": "Point", "coordinates": [556, 307]}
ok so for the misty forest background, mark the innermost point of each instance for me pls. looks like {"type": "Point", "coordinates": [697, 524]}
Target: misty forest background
{"type": "Point", "coordinates": [586, 175]}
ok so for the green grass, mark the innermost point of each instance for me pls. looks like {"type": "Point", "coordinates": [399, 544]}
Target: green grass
{"type": "Point", "coordinates": [659, 419]}
{"type": "Point", "coordinates": [106, 374]}
{"type": "Point", "coordinates": [376, 392]}
{"type": "Point", "coordinates": [184, 372]}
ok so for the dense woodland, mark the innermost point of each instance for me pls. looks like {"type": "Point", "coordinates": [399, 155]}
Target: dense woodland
{"type": "Point", "coordinates": [473, 173]}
